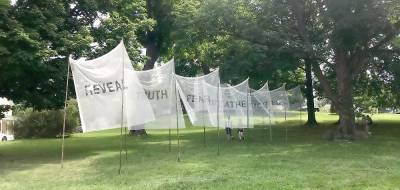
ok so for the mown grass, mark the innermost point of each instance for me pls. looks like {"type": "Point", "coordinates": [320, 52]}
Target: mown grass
{"type": "Point", "coordinates": [306, 161]}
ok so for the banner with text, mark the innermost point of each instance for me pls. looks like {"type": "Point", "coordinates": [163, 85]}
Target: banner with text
{"type": "Point", "coordinates": [100, 85]}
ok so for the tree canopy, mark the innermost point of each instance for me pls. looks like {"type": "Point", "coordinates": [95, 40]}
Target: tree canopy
{"type": "Point", "coordinates": [352, 47]}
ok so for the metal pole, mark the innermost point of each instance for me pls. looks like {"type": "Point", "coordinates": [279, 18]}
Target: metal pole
{"type": "Point", "coordinates": [126, 146]}
{"type": "Point", "coordinates": [177, 122]}
{"type": "Point", "coordinates": [270, 126]}
{"type": "Point", "coordinates": [218, 118]}
{"type": "Point", "coordinates": [64, 119]}
{"type": "Point", "coordinates": [204, 126]}
{"type": "Point", "coordinates": [269, 113]}
{"type": "Point", "coordinates": [285, 113]}
{"type": "Point", "coordinates": [300, 111]}
{"type": "Point", "coordinates": [286, 131]}
{"type": "Point", "coordinates": [122, 115]}
{"type": "Point", "coordinates": [301, 103]}
{"type": "Point", "coordinates": [204, 136]}
{"type": "Point", "coordinates": [247, 106]}
{"type": "Point", "coordinates": [286, 107]}
{"type": "Point", "coordinates": [169, 139]}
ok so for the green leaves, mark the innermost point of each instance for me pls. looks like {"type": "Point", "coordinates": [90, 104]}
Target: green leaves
{"type": "Point", "coordinates": [36, 38]}
{"type": "Point", "coordinates": [243, 38]}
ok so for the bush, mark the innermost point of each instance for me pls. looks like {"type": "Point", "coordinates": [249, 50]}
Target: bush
{"type": "Point", "coordinates": [46, 123]}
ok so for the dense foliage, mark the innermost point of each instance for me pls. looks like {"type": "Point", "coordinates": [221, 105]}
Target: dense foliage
{"type": "Point", "coordinates": [352, 47]}
{"type": "Point", "coordinates": [36, 38]}
{"type": "Point", "coordinates": [46, 123]}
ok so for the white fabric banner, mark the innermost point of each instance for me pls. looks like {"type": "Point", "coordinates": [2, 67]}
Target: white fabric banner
{"type": "Point", "coordinates": [280, 103]}
{"type": "Point", "coordinates": [295, 98]}
{"type": "Point", "coordinates": [160, 90]}
{"type": "Point", "coordinates": [262, 105]}
{"type": "Point", "coordinates": [237, 106]}
{"type": "Point", "coordinates": [99, 88]}
{"type": "Point", "coordinates": [200, 99]}
{"type": "Point", "coordinates": [295, 102]}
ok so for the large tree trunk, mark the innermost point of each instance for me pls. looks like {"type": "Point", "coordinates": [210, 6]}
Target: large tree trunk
{"type": "Point", "coordinates": [205, 68]}
{"type": "Point", "coordinates": [309, 94]}
{"type": "Point", "coordinates": [152, 52]}
{"type": "Point", "coordinates": [344, 105]}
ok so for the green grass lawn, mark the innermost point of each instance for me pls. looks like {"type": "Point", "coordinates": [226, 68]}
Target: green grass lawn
{"type": "Point", "coordinates": [306, 161]}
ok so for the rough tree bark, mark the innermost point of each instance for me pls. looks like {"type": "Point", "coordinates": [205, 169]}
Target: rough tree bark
{"type": "Point", "coordinates": [343, 98]}
{"type": "Point", "coordinates": [205, 68]}
{"type": "Point", "coordinates": [311, 120]}
{"type": "Point", "coordinates": [152, 51]}
{"type": "Point", "coordinates": [344, 101]}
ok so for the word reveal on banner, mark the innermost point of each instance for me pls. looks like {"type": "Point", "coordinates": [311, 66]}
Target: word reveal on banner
{"type": "Point", "coordinates": [100, 84]}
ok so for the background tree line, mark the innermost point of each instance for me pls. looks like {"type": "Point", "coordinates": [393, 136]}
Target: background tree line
{"type": "Point", "coordinates": [347, 51]}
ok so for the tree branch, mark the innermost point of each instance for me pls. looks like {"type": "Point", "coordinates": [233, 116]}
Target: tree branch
{"type": "Point", "coordinates": [325, 84]}
{"type": "Point", "coordinates": [298, 10]}
{"type": "Point", "coordinates": [246, 38]}
{"type": "Point", "coordinates": [389, 37]}
{"type": "Point", "coordinates": [360, 57]}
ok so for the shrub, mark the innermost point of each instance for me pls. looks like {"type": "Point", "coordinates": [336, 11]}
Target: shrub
{"type": "Point", "coordinates": [46, 123]}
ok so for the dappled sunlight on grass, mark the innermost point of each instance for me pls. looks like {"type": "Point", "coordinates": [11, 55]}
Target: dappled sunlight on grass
{"type": "Point", "coordinates": [305, 161]}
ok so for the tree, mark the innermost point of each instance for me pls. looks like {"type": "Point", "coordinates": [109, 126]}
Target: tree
{"type": "Point", "coordinates": [345, 37]}
{"type": "Point", "coordinates": [230, 35]}
{"type": "Point", "coordinates": [337, 39]}
{"type": "Point", "coordinates": [156, 38]}
{"type": "Point", "coordinates": [243, 38]}
{"type": "Point", "coordinates": [35, 43]}
{"type": "Point", "coordinates": [36, 38]}
{"type": "Point", "coordinates": [311, 120]}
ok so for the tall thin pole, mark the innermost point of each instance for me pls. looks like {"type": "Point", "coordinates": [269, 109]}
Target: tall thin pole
{"type": "Point", "coordinates": [204, 126]}
{"type": "Point", "coordinates": [270, 125]}
{"type": "Point", "coordinates": [269, 112]}
{"type": "Point", "coordinates": [126, 126]}
{"type": "Point", "coordinates": [300, 112]}
{"type": "Point", "coordinates": [247, 106]}
{"type": "Point", "coordinates": [120, 151]}
{"type": "Point", "coordinates": [301, 105]}
{"type": "Point", "coordinates": [177, 122]}
{"type": "Point", "coordinates": [169, 139]}
{"type": "Point", "coordinates": [286, 129]}
{"type": "Point", "coordinates": [204, 136]}
{"type": "Point", "coordinates": [65, 117]}
{"type": "Point", "coordinates": [218, 118]}
{"type": "Point", "coordinates": [126, 147]}
{"type": "Point", "coordinates": [285, 113]}
{"type": "Point", "coordinates": [286, 133]}
{"type": "Point", "coordinates": [122, 115]}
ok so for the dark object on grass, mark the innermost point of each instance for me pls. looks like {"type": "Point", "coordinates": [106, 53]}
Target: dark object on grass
{"type": "Point", "coordinates": [139, 132]}
{"type": "Point", "coordinates": [241, 133]}
{"type": "Point", "coordinates": [228, 133]}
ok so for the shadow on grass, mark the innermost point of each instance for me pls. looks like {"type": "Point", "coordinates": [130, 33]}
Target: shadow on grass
{"type": "Point", "coordinates": [302, 143]}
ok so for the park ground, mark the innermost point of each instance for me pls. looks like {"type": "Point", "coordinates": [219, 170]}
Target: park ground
{"type": "Point", "coordinates": [305, 161]}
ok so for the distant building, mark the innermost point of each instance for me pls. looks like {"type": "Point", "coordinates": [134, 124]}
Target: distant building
{"type": "Point", "coordinates": [5, 101]}
{"type": "Point", "coordinates": [7, 123]}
